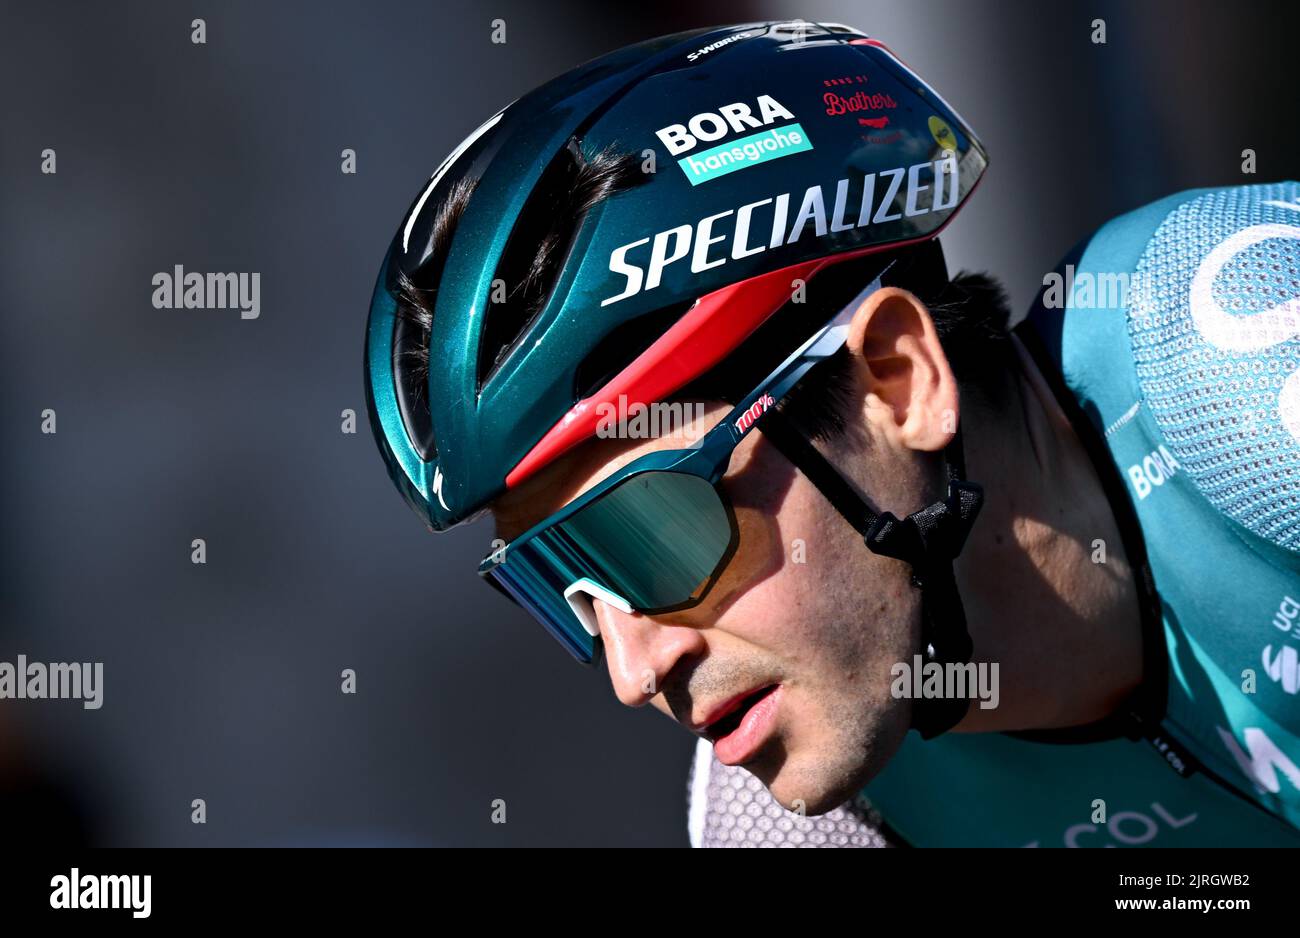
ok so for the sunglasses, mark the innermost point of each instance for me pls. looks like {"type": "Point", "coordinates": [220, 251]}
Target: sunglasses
{"type": "Point", "coordinates": [655, 536]}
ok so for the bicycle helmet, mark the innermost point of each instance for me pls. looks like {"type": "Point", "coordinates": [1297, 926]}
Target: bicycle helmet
{"type": "Point", "coordinates": [626, 226]}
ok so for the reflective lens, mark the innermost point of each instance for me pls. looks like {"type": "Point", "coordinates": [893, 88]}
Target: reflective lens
{"type": "Point", "coordinates": [533, 586]}
{"type": "Point", "coordinates": [657, 540]}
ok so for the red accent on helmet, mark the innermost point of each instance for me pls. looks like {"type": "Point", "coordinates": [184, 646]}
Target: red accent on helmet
{"type": "Point", "coordinates": [878, 44]}
{"type": "Point", "coordinates": [711, 330]}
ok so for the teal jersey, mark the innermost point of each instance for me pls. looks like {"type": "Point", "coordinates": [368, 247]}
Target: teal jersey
{"type": "Point", "coordinates": [1172, 337]}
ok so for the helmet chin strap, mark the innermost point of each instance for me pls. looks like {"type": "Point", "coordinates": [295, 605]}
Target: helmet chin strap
{"type": "Point", "coordinates": [928, 540]}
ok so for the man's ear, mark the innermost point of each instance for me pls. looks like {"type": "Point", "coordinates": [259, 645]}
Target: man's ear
{"type": "Point", "coordinates": [910, 391]}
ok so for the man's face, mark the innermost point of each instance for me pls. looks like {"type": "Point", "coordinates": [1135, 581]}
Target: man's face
{"type": "Point", "coordinates": [793, 644]}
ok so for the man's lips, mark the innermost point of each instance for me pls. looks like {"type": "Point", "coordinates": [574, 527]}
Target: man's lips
{"type": "Point", "coordinates": [740, 735]}
{"type": "Point", "coordinates": [721, 718]}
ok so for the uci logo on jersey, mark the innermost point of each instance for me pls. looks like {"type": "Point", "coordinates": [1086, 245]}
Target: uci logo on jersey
{"type": "Point", "coordinates": [738, 153]}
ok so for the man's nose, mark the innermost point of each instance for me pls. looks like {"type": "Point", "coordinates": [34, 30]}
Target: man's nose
{"type": "Point", "coordinates": [641, 650]}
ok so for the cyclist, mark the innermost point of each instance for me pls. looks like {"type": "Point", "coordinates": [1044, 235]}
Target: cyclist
{"type": "Point", "coordinates": [1066, 554]}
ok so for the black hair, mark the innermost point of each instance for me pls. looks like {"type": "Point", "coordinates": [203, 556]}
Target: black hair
{"type": "Point", "coordinates": [573, 184]}
{"type": "Point", "coordinates": [415, 300]}
{"type": "Point", "coordinates": [971, 315]}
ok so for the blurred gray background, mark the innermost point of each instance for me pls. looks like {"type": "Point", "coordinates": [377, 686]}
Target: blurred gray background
{"type": "Point", "coordinates": [222, 680]}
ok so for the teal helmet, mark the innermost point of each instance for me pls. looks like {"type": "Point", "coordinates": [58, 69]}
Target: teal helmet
{"type": "Point", "coordinates": [627, 226]}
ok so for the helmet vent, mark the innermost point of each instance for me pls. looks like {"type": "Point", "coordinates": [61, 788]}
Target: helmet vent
{"type": "Point", "coordinates": [414, 322]}
{"type": "Point", "coordinates": [540, 242]}
{"type": "Point", "coordinates": [798, 30]}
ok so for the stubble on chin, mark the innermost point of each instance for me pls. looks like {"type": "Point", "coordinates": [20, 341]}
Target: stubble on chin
{"type": "Point", "coordinates": [831, 750]}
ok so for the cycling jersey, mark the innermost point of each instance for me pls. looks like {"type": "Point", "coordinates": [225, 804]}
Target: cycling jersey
{"type": "Point", "coordinates": [1172, 340]}
{"type": "Point", "coordinates": [1177, 355]}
